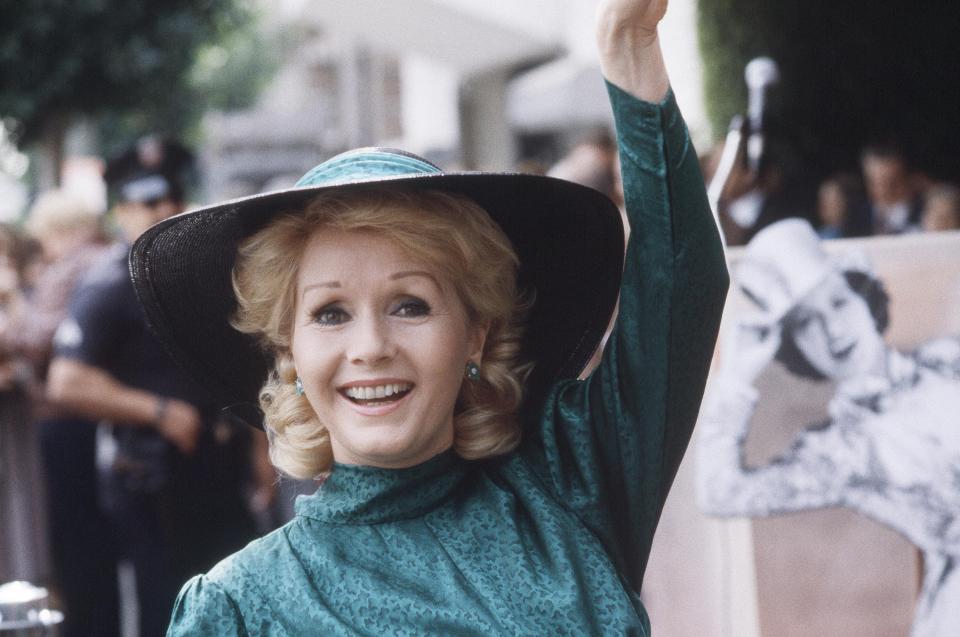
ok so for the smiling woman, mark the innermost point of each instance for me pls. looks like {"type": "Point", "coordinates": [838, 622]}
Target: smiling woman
{"type": "Point", "coordinates": [417, 338]}
{"type": "Point", "coordinates": [405, 272]}
{"type": "Point", "coordinates": [837, 331]}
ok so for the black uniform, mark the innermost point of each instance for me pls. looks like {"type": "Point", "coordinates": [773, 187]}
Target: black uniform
{"type": "Point", "coordinates": [175, 515]}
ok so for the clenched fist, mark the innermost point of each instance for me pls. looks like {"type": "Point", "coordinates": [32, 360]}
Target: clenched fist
{"type": "Point", "coordinates": [639, 16]}
{"type": "Point", "coordinates": [630, 53]}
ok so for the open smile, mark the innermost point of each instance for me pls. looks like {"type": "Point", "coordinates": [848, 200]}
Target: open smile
{"type": "Point", "coordinates": [844, 352]}
{"type": "Point", "coordinates": [376, 398]}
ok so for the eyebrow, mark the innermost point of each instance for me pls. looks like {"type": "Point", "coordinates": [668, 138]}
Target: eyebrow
{"type": "Point", "coordinates": [324, 284]}
{"type": "Point", "coordinates": [393, 277]}
{"type": "Point", "coordinates": [409, 273]}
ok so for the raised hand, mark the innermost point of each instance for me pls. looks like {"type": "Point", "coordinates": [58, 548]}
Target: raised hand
{"type": "Point", "coordinates": [630, 53]}
{"type": "Point", "coordinates": [749, 347]}
{"type": "Point", "coordinates": [639, 16]}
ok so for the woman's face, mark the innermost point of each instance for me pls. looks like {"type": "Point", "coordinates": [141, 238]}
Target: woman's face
{"type": "Point", "coordinates": [380, 343]}
{"type": "Point", "coordinates": [832, 205]}
{"type": "Point", "coordinates": [835, 331]}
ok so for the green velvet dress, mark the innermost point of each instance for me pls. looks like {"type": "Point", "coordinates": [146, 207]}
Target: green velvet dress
{"type": "Point", "coordinates": [552, 539]}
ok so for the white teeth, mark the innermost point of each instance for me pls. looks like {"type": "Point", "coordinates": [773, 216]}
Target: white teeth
{"type": "Point", "coordinates": [378, 391]}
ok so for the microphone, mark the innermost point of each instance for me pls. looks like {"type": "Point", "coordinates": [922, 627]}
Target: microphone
{"type": "Point", "coordinates": [760, 74]}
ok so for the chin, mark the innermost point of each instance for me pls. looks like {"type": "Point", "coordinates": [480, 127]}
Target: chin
{"type": "Point", "coordinates": [389, 453]}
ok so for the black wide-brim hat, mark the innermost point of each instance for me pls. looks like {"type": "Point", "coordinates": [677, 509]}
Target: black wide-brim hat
{"type": "Point", "coordinates": [568, 237]}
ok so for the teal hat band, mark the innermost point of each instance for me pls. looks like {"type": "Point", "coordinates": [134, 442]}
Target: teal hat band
{"type": "Point", "coordinates": [364, 164]}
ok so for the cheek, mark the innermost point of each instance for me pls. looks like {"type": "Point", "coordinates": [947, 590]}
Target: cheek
{"type": "Point", "coordinates": [311, 354]}
{"type": "Point", "coordinates": [856, 317]}
{"type": "Point", "coordinates": [444, 352]}
{"type": "Point", "coordinates": [812, 343]}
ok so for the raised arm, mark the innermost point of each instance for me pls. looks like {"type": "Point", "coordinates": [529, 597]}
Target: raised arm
{"type": "Point", "coordinates": [810, 474]}
{"type": "Point", "coordinates": [806, 476]}
{"type": "Point", "coordinates": [612, 444]}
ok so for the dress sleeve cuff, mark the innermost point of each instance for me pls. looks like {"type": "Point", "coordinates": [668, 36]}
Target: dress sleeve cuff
{"type": "Point", "coordinates": [649, 130]}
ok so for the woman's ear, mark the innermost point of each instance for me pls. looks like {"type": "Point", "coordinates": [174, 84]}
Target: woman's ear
{"type": "Point", "coordinates": [477, 339]}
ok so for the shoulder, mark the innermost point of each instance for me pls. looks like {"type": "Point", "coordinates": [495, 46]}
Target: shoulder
{"type": "Point", "coordinates": [107, 268]}
{"type": "Point", "coordinates": [252, 565]}
{"type": "Point", "coordinates": [230, 596]}
{"type": "Point", "coordinates": [203, 607]}
{"type": "Point", "coordinates": [105, 283]}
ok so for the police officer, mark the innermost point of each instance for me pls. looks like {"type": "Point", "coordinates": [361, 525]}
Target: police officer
{"type": "Point", "coordinates": [175, 477]}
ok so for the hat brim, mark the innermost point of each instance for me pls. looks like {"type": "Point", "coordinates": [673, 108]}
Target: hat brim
{"type": "Point", "coordinates": [568, 237]}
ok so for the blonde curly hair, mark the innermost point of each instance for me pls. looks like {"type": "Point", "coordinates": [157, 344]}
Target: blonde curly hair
{"type": "Point", "coordinates": [446, 232]}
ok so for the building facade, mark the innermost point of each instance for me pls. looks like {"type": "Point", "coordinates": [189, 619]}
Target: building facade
{"type": "Point", "coordinates": [469, 85]}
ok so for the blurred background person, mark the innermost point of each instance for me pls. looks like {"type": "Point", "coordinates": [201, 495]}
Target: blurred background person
{"type": "Point", "coordinates": [753, 198]}
{"type": "Point", "coordinates": [175, 479]}
{"type": "Point", "coordinates": [23, 547]}
{"type": "Point", "coordinates": [841, 208]}
{"type": "Point", "coordinates": [71, 239]}
{"type": "Point", "coordinates": [894, 202]}
{"type": "Point", "coordinates": [942, 209]}
{"type": "Point", "coordinates": [748, 202]}
{"type": "Point", "coordinates": [593, 161]}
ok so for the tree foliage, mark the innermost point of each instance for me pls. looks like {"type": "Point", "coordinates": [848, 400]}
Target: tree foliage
{"type": "Point", "coordinates": [225, 74]}
{"type": "Point", "coordinates": [853, 72]}
{"type": "Point", "coordinates": [129, 60]}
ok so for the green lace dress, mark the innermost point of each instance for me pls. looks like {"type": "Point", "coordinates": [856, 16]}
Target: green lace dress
{"type": "Point", "coordinates": [552, 539]}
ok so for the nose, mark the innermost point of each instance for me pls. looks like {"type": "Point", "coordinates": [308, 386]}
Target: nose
{"type": "Point", "coordinates": [371, 341]}
{"type": "Point", "coordinates": [834, 327]}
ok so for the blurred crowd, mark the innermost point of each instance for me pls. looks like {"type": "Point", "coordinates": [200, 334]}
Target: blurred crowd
{"type": "Point", "coordinates": [104, 444]}
{"type": "Point", "coordinates": [886, 196]}
{"type": "Point", "coordinates": [892, 200]}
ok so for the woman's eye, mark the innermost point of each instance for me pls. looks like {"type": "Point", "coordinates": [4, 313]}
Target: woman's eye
{"type": "Point", "coordinates": [410, 308]}
{"type": "Point", "coordinates": [330, 316]}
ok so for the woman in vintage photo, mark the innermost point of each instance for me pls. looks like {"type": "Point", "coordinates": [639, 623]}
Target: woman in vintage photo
{"type": "Point", "coordinates": [891, 448]}
{"type": "Point", "coordinates": [413, 340]}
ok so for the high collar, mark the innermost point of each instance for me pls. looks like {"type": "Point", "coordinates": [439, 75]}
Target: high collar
{"type": "Point", "coordinates": [355, 494]}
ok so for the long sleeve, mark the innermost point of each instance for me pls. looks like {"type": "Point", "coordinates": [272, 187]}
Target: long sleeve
{"type": "Point", "coordinates": [611, 444]}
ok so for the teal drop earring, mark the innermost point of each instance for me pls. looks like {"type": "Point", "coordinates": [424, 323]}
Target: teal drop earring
{"type": "Point", "coordinates": [298, 386]}
{"type": "Point", "coordinates": [473, 371]}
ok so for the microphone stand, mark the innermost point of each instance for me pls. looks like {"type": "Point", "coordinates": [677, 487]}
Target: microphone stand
{"type": "Point", "coordinates": [760, 73]}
